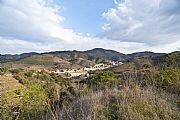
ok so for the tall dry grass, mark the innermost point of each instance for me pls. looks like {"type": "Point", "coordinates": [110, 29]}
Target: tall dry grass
{"type": "Point", "coordinates": [128, 103]}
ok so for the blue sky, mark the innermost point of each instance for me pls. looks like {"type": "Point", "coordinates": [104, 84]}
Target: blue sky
{"type": "Point", "coordinates": [123, 25]}
{"type": "Point", "coordinates": [85, 15]}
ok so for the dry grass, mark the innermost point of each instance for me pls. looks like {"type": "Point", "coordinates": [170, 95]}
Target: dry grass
{"type": "Point", "coordinates": [8, 83]}
{"type": "Point", "coordinates": [129, 103]}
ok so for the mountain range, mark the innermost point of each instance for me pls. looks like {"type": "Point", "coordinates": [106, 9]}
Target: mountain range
{"type": "Point", "coordinates": [96, 54]}
{"type": "Point", "coordinates": [70, 59]}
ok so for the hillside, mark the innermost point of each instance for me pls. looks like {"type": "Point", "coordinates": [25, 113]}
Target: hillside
{"type": "Point", "coordinates": [143, 54]}
{"type": "Point", "coordinates": [106, 54]}
{"type": "Point", "coordinates": [39, 61]}
{"type": "Point", "coordinates": [148, 86]}
{"type": "Point", "coordinates": [161, 71]}
{"type": "Point", "coordinates": [8, 57]}
{"type": "Point", "coordinates": [137, 63]}
{"type": "Point", "coordinates": [71, 59]}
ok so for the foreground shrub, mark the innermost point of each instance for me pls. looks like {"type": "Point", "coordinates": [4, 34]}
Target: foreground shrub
{"type": "Point", "coordinates": [130, 103]}
{"type": "Point", "coordinates": [103, 79]}
{"type": "Point", "coordinates": [28, 101]}
{"type": "Point", "coordinates": [16, 71]}
{"type": "Point", "coordinates": [168, 79]}
{"type": "Point", "coordinates": [3, 70]}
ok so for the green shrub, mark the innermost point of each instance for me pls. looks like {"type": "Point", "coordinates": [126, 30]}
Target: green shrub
{"type": "Point", "coordinates": [19, 78]}
{"type": "Point", "coordinates": [29, 73]}
{"type": "Point", "coordinates": [171, 60]}
{"type": "Point", "coordinates": [33, 97]}
{"type": "Point", "coordinates": [103, 78]}
{"type": "Point", "coordinates": [28, 101]}
{"type": "Point", "coordinates": [16, 71]}
{"type": "Point", "coordinates": [3, 70]}
{"type": "Point", "coordinates": [146, 66]}
{"type": "Point", "coordinates": [163, 78]}
{"type": "Point", "coordinates": [111, 110]}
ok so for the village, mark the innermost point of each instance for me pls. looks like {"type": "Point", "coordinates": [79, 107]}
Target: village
{"type": "Point", "coordinates": [84, 71]}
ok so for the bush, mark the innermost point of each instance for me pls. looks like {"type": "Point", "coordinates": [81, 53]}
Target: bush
{"type": "Point", "coordinates": [111, 110]}
{"type": "Point", "coordinates": [146, 66]}
{"type": "Point", "coordinates": [33, 98]}
{"type": "Point", "coordinates": [28, 101]}
{"type": "Point", "coordinates": [19, 78]}
{"type": "Point", "coordinates": [29, 73]}
{"type": "Point", "coordinates": [3, 70]}
{"type": "Point", "coordinates": [16, 71]}
{"type": "Point", "coordinates": [130, 103]}
{"type": "Point", "coordinates": [171, 60]}
{"type": "Point", "coordinates": [102, 78]}
{"type": "Point", "coordinates": [163, 78]}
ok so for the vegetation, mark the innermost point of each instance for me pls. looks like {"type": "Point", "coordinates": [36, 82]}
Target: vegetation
{"type": "Point", "coordinates": [23, 102]}
{"type": "Point", "coordinates": [3, 70]}
{"type": "Point", "coordinates": [129, 103]}
{"type": "Point", "coordinates": [141, 89]}
{"type": "Point", "coordinates": [102, 78]}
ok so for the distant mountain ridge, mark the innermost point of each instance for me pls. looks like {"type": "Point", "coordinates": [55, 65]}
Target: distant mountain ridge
{"type": "Point", "coordinates": [9, 57]}
{"type": "Point", "coordinates": [106, 54]}
{"type": "Point", "coordinates": [143, 54]}
{"type": "Point", "coordinates": [96, 55]}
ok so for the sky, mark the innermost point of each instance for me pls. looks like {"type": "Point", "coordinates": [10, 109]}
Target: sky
{"type": "Point", "coordinates": [126, 26]}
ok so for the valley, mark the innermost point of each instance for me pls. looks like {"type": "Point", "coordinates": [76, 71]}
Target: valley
{"type": "Point", "coordinates": [52, 85]}
{"type": "Point", "coordinates": [89, 59]}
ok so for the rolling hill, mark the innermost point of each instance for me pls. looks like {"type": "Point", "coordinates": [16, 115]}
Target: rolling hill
{"type": "Point", "coordinates": [71, 59]}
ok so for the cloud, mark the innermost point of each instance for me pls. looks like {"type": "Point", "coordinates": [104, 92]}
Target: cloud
{"type": "Point", "coordinates": [9, 46]}
{"type": "Point", "coordinates": [37, 26]}
{"type": "Point", "coordinates": [14, 46]}
{"type": "Point", "coordinates": [33, 21]}
{"type": "Point", "coordinates": [153, 22]}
